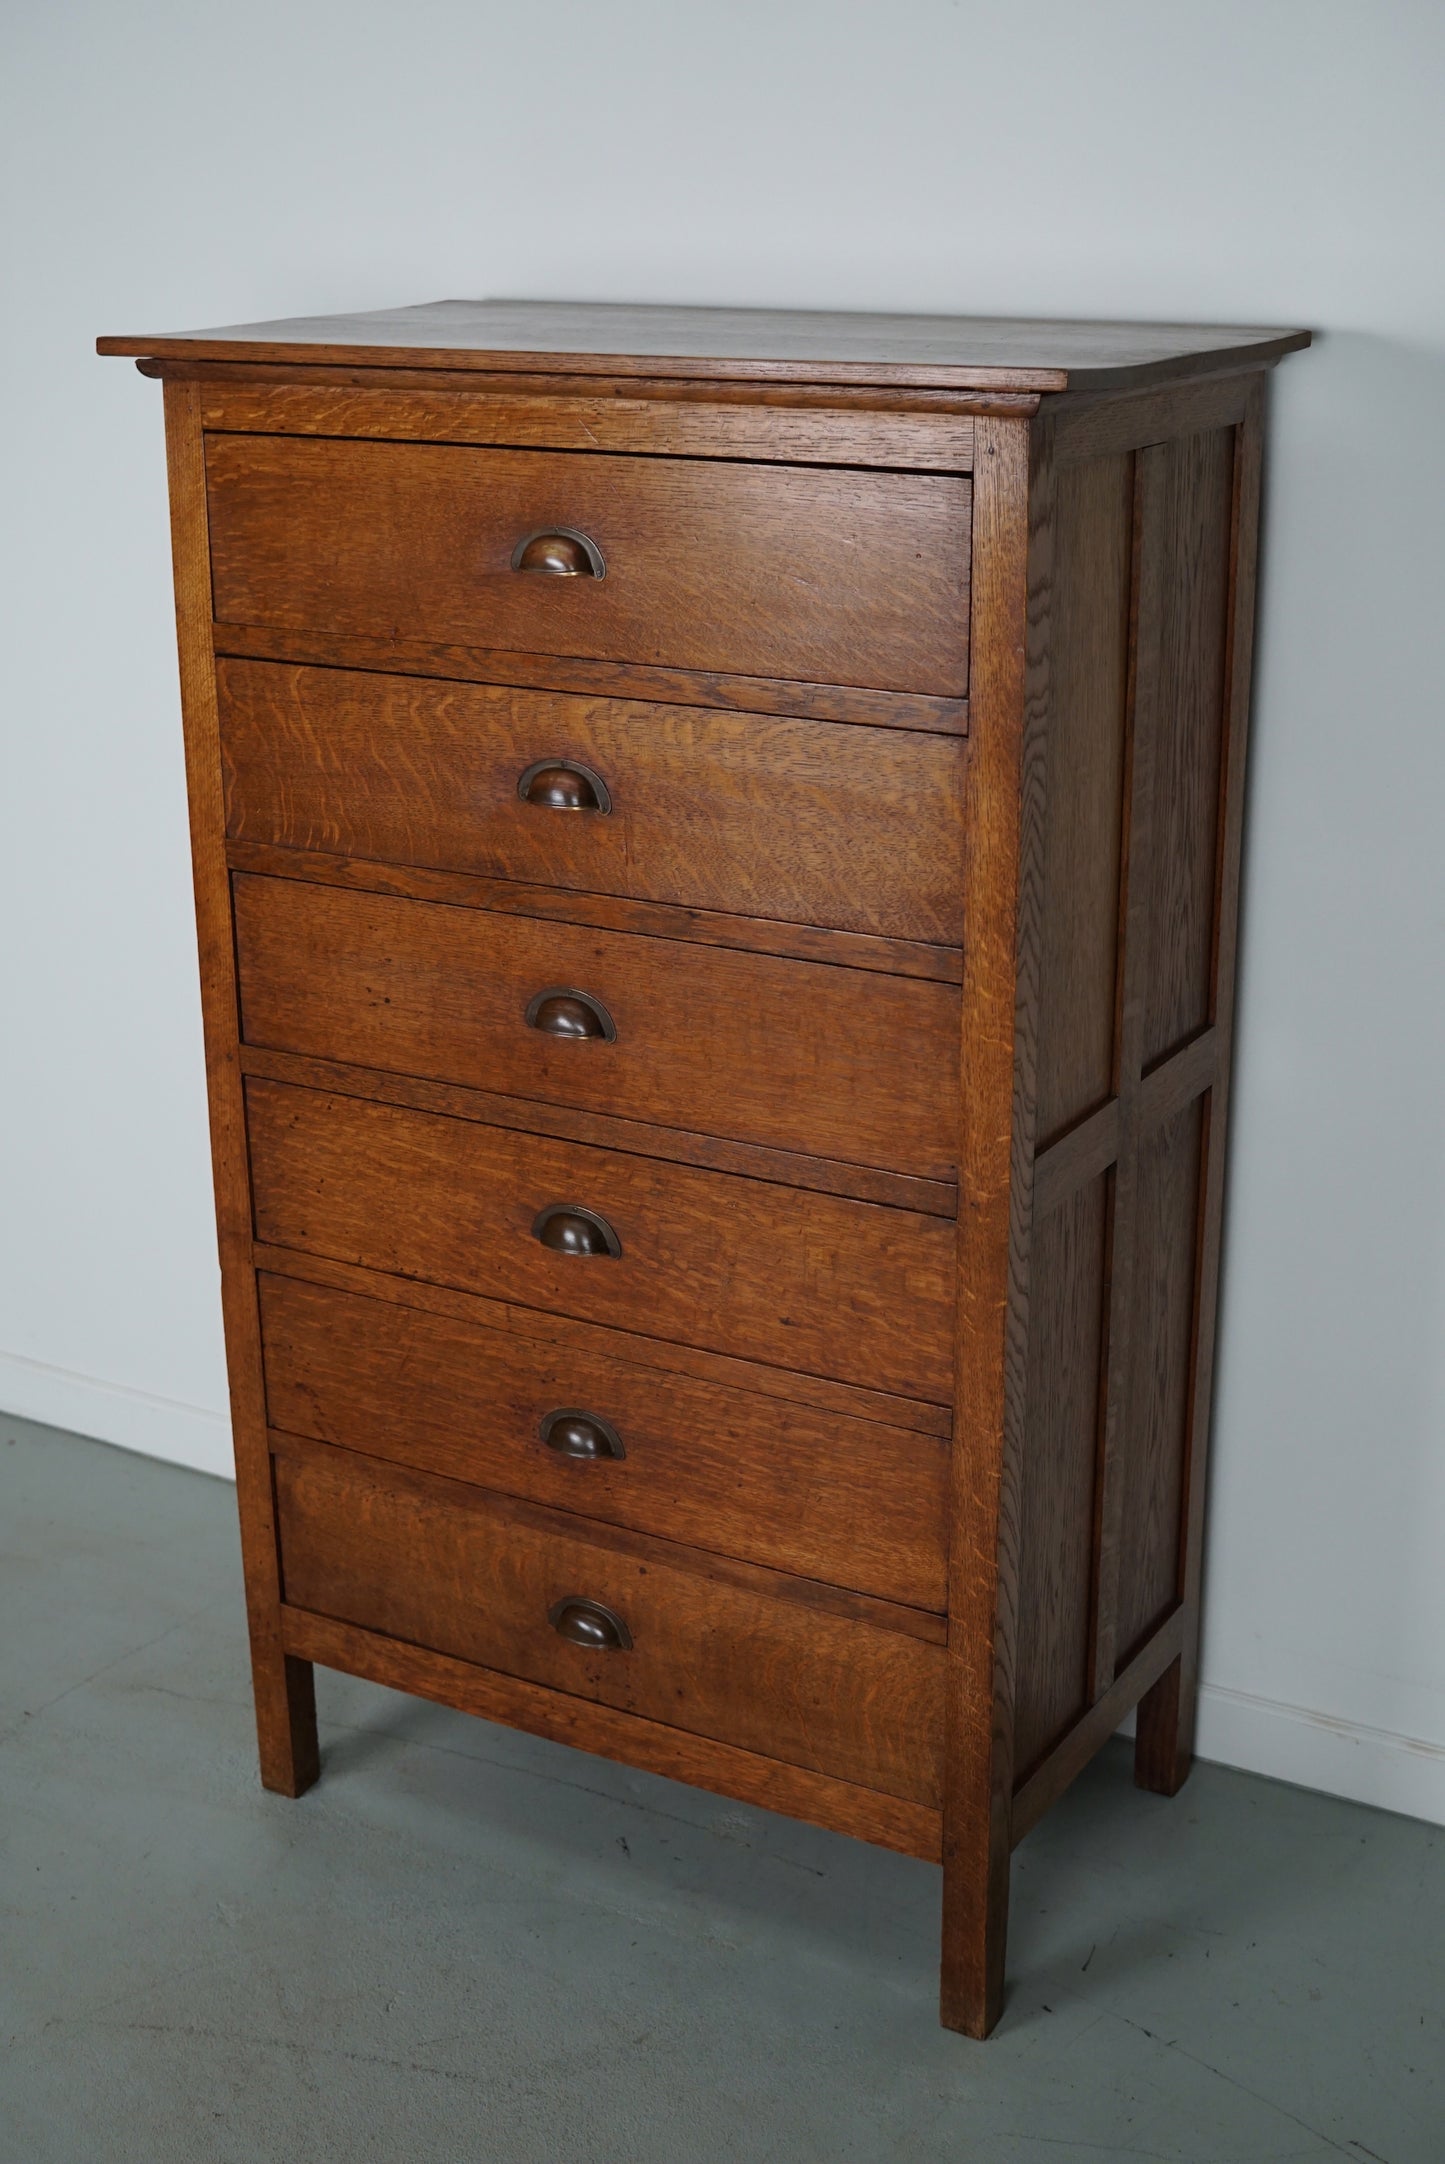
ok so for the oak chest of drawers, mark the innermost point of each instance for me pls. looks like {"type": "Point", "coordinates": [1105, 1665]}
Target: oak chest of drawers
{"type": "Point", "coordinates": [717, 854]}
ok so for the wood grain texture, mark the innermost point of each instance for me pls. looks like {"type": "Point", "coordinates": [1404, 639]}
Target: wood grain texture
{"type": "Point", "coordinates": [395, 655]}
{"type": "Point", "coordinates": [1067, 1268]}
{"type": "Point", "coordinates": [1134, 1685]}
{"type": "Point", "coordinates": [284, 1692]}
{"type": "Point", "coordinates": [559, 417]}
{"type": "Point", "coordinates": [912, 1828]}
{"type": "Point", "coordinates": [805, 1281]}
{"type": "Point", "coordinates": [749, 344]}
{"type": "Point", "coordinates": [784, 571]}
{"type": "Point", "coordinates": [848, 1501]}
{"type": "Point", "coordinates": [565, 1334]}
{"type": "Point", "coordinates": [474, 1576]}
{"type": "Point", "coordinates": [608, 912]}
{"type": "Point", "coordinates": [600, 1130]}
{"type": "Point", "coordinates": [1002, 880]}
{"type": "Point", "coordinates": [1164, 1742]}
{"type": "Point", "coordinates": [1196, 477]}
{"type": "Point", "coordinates": [791, 1055]}
{"type": "Point", "coordinates": [826, 824]}
{"type": "Point", "coordinates": [1087, 675]}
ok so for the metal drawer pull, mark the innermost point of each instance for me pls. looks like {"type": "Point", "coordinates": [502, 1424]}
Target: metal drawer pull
{"type": "Point", "coordinates": [562, 1012]}
{"type": "Point", "coordinates": [563, 785]}
{"type": "Point", "coordinates": [584, 1622]}
{"type": "Point", "coordinates": [575, 1434]}
{"type": "Point", "coordinates": [569, 1229]}
{"type": "Point", "coordinates": [559, 552]}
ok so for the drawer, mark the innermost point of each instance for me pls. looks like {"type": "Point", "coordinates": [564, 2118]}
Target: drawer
{"type": "Point", "coordinates": [812, 821]}
{"type": "Point", "coordinates": [859, 1291]}
{"type": "Point", "coordinates": [771, 1671]}
{"type": "Point", "coordinates": [853, 1502]}
{"type": "Point", "coordinates": [829, 575]}
{"type": "Point", "coordinates": [841, 1063]}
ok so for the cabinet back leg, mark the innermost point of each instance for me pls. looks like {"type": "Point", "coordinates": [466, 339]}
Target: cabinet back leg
{"type": "Point", "coordinates": [1164, 1735]}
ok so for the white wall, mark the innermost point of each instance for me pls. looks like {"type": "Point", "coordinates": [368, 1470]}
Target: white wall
{"type": "Point", "coordinates": [175, 164]}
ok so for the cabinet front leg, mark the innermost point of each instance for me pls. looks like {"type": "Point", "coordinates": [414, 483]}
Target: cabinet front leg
{"type": "Point", "coordinates": [285, 1691]}
{"type": "Point", "coordinates": [975, 1924]}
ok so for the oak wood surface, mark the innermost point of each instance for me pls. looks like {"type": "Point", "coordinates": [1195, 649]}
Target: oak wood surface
{"type": "Point", "coordinates": [749, 569]}
{"type": "Point", "coordinates": [912, 1828]}
{"type": "Point", "coordinates": [802, 1280]}
{"type": "Point", "coordinates": [830, 825]}
{"type": "Point", "coordinates": [793, 1055]}
{"type": "Point", "coordinates": [608, 912]}
{"type": "Point", "coordinates": [557, 417]}
{"type": "Point", "coordinates": [748, 343]}
{"type": "Point", "coordinates": [1002, 875]}
{"type": "Point", "coordinates": [475, 1576]}
{"type": "Point", "coordinates": [395, 654]}
{"type": "Point", "coordinates": [600, 1130]}
{"type": "Point", "coordinates": [283, 1688]}
{"type": "Point", "coordinates": [818, 1494]}
{"type": "Point", "coordinates": [561, 1334]}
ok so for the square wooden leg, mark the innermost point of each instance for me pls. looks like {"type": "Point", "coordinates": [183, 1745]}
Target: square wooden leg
{"type": "Point", "coordinates": [1164, 1736]}
{"type": "Point", "coordinates": [285, 1691]}
{"type": "Point", "coordinates": [975, 1926]}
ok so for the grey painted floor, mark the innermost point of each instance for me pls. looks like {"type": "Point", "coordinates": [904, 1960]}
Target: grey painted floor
{"type": "Point", "coordinates": [467, 1945]}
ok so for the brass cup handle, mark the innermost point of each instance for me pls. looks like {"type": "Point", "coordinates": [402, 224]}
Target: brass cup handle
{"type": "Point", "coordinates": [569, 1229]}
{"type": "Point", "coordinates": [560, 1011]}
{"type": "Point", "coordinates": [563, 785]}
{"type": "Point", "coordinates": [573, 1433]}
{"type": "Point", "coordinates": [559, 552]}
{"type": "Point", "coordinates": [587, 1623]}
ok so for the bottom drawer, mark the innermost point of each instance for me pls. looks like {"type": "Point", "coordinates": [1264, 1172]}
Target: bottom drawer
{"type": "Point", "coordinates": [757, 1663]}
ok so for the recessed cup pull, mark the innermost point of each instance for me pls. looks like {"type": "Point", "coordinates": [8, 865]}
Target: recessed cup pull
{"type": "Point", "coordinates": [559, 552]}
{"type": "Point", "coordinates": [561, 1011]}
{"type": "Point", "coordinates": [573, 1433]}
{"type": "Point", "coordinates": [570, 1229]}
{"type": "Point", "coordinates": [586, 1623]}
{"type": "Point", "coordinates": [563, 785]}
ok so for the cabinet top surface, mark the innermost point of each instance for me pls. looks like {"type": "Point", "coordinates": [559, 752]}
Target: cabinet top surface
{"type": "Point", "coordinates": [736, 344]}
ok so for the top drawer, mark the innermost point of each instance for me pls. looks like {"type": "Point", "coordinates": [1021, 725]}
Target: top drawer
{"type": "Point", "coordinates": [813, 573]}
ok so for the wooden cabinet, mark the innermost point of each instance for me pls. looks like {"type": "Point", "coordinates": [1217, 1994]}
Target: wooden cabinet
{"type": "Point", "coordinates": [717, 848]}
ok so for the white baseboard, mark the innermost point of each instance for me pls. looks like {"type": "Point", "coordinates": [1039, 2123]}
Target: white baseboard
{"type": "Point", "coordinates": [1315, 1750]}
{"type": "Point", "coordinates": [113, 1413]}
{"type": "Point", "coordinates": [1258, 1735]}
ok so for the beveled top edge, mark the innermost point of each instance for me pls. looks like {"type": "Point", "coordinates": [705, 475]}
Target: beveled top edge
{"type": "Point", "coordinates": [747, 344]}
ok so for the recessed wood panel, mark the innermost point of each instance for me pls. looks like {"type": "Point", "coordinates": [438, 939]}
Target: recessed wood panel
{"type": "Point", "coordinates": [1154, 1439]}
{"type": "Point", "coordinates": [836, 1063]}
{"type": "Point", "coordinates": [849, 1501]}
{"type": "Point", "coordinates": [1187, 687]}
{"type": "Point", "coordinates": [838, 576]}
{"type": "Point", "coordinates": [1060, 1461]}
{"type": "Point", "coordinates": [818, 822]}
{"type": "Point", "coordinates": [444, 1566]}
{"type": "Point", "coordinates": [1088, 684]}
{"type": "Point", "coordinates": [854, 1290]}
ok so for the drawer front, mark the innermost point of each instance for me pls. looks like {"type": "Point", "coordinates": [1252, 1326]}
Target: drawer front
{"type": "Point", "coordinates": [830, 575]}
{"type": "Point", "coordinates": [848, 1501]}
{"type": "Point", "coordinates": [858, 1291]}
{"type": "Point", "coordinates": [816, 822]}
{"type": "Point", "coordinates": [446, 1567]}
{"type": "Point", "coordinates": [840, 1063]}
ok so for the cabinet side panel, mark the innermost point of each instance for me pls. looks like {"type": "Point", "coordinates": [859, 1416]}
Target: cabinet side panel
{"type": "Point", "coordinates": [1196, 484]}
{"type": "Point", "coordinates": [1154, 1437]}
{"type": "Point", "coordinates": [1088, 675]}
{"type": "Point", "coordinates": [1056, 1511]}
